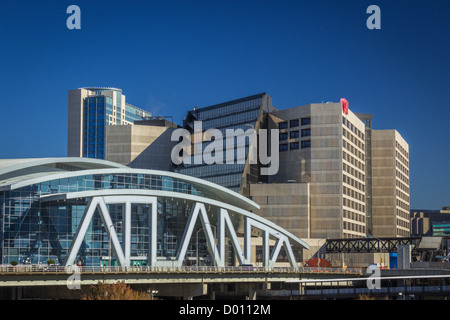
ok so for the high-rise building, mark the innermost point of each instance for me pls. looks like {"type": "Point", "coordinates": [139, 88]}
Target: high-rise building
{"type": "Point", "coordinates": [241, 114]}
{"type": "Point", "coordinates": [324, 146]}
{"type": "Point", "coordinates": [90, 110]}
{"type": "Point", "coordinates": [358, 177]}
{"type": "Point", "coordinates": [390, 184]}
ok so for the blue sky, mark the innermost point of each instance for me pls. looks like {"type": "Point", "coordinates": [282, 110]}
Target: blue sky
{"type": "Point", "coordinates": [169, 56]}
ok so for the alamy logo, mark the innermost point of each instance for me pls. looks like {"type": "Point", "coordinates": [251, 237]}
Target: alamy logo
{"type": "Point", "coordinates": [374, 21]}
{"type": "Point", "coordinates": [222, 150]}
{"type": "Point", "coordinates": [74, 281]}
{"type": "Point", "coordinates": [373, 281]}
{"type": "Point", "coordinates": [74, 21]}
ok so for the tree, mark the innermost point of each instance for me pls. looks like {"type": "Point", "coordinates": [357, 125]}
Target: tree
{"type": "Point", "coordinates": [14, 263]}
{"type": "Point", "coordinates": [50, 261]}
{"type": "Point", "coordinates": [115, 291]}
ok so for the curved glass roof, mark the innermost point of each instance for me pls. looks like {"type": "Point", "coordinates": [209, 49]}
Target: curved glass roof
{"type": "Point", "coordinates": [16, 170]}
{"type": "Point", "coordinates": [19, 173]}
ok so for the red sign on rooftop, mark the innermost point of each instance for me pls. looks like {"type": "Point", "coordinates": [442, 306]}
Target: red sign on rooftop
{"type": "Point", "coordinates": [344, 105]}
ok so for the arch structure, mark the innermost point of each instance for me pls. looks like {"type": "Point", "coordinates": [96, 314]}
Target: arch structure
{"type": "Point", "coordinates": [95, 212]}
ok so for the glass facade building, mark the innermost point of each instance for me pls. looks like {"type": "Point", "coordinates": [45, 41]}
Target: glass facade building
{"type": "Point", "coordinates": [44, 205]}
{"type": "Point", "coordinates": [90, 111]}
{"type": "Point", "coordinates": [244, 114]}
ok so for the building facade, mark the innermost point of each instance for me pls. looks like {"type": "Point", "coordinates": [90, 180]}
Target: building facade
{"type": "Point", "coordinates": [90, 111]}
{"type": "Point", "coordinates": [324, 146]}
{"type": "Point", "coordinates": [357, 177]}
{"type": "Point", "coordinates": [95, 212]}
{"type": "Point", "coordinates": [241, 114]}
{"type": "Point", "coordinates": [390, 184]}
{"type": "Point", "coordinates": [146, 144]}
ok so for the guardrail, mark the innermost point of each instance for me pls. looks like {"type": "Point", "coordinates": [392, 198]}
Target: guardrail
{"type": "Point", "coordinates": [166, 269]}
{"type": "Point", "coordinates": [387, 291]}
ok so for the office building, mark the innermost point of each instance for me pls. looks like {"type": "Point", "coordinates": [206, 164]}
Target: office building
{"type": "Point", "coordinates": [244, 114]}
{"type": "Point", "coordinates": [390, 184]}
{"type": "Point", "coordinates": [90, 111]}
{"type": "Point", "coordinates": [324, 146]}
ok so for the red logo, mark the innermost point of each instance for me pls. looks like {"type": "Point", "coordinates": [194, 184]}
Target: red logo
{"type": "Point", "coordinates": [344, 105]}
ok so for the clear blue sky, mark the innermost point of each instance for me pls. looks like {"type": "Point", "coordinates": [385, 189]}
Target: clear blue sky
{"type": "Point", "coordinates": [169, 56]}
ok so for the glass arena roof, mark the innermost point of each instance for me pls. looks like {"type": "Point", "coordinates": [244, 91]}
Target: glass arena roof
{"type": "Point", "coordinates": [78, 209]}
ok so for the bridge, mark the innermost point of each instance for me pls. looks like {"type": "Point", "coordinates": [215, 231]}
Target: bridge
{"type": "Point", "coordinates": [370, 245]}
{"type": "Point", "coordinates": [182, 282]}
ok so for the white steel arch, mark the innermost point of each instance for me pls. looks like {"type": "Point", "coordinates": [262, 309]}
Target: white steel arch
{"type": "Point", "coordinates": [198, 211]}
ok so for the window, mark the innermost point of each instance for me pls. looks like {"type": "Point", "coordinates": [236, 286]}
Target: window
{"type": "Point", "coordinates": [306, 132]}
{"type": "Point", "coordinates": [283, 125]}
{"type": "Point", "coordinates": [283, 147]}
{"type": "Point", "coordinates": [306, 121]}
{"type": "Point", "coordinates": [306, 144]}
{"type": "Point", "coordinates": [295, 145]}
{"type": "Point", "coordinates": [294, 123]}
{"type": "Point", "coordinates": [294, 134]}
{"type": "Point", "coordinates": [283, 136]}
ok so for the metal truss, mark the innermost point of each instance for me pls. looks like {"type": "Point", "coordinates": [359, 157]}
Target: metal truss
{"type": "Point", "coordinates": [217, 251]}
{"type": "Point", "coordinates": [369, 245]}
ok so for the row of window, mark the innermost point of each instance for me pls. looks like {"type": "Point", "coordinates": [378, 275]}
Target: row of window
{"type": "Point", "coordinates": [402, 150]}
{"type": "Point", "coordinates": [347, 134]}
{"type": "Point", "coordinates": [402, 168]}
{"type": "Point", "coordinates": [403, 205]}
{"type": "Point", "coordinates": [402, 233]}
{"type": "Point", "coordinates": [356, 162]}
{"type": "Point", "coordinates": [295, 145]}
{"type": "Point", "coordinates": [355, 173]}
{"type": "Point", "coordinates": [352, 182]}
{"type": "Point", "coordinates": [354, 205]}
{"type": "Point", "coordinates": [402, 177]}
{"type": "Point", "coordinates": [353, 150]}
{"type": "Point", "coordinates": [228, 109]}
{"type": "Point", "coordinates": [402, 186]}
{"type": "Point", "coordinates": [354, 194]}
{"type": "Point", "coordinates": [402, 196]}
{"type": "Point", "coordinates": [294, 123]}
{"type": "Point", "coordinates": [353, 227]}
{"type": "Point", "coordinates": [352, 128]}
{"type": "Point", "coordinates": [295, 134]}
{"type": "Point", "coordinates": [402, 158]}
{"type": "Point", "coordinates": [350, 235]}
{"type": "Point", "coordinates": [354, 216]}
{"type": "Point", "coordinates": [403, 214]}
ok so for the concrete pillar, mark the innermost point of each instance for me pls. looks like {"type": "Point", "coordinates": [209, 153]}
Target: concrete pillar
{"type": "Point", "coordinates": [211, 292]}
{"type": "Point", "coordinates": [251, 292]}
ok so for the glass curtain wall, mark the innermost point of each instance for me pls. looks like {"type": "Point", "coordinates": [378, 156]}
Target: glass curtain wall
{"type": "Point", "coordinates": [35, 231]}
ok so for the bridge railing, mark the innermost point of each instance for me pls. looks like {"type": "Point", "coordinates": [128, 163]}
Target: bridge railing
{"type": "Point", "coordinates": [170, 269]}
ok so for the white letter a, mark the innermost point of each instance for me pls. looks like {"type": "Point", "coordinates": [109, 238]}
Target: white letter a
{"type": "Point", "coordinates": [74, 21]}
{"type": "Point", "coordinates": [374, 21]}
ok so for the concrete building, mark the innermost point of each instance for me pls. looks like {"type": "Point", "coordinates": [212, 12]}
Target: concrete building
{"type": "Point", "coordinates": [286, 204]}
{"type": "Point", "coordinates": [390, 184]}
{"type": "Point", "coordinates": [430, 222]}
{"type": "Point", "coordinates": [324, 146]}
{"type": "Point", "coordinates": [146, 144]}
{"type": "Point", "coordinates": [90, 111]}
